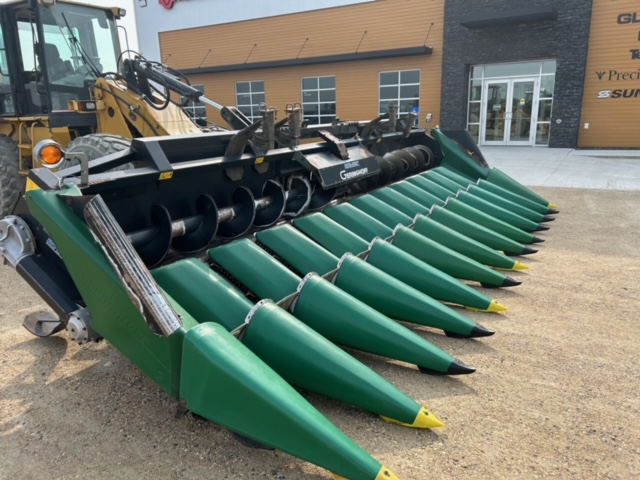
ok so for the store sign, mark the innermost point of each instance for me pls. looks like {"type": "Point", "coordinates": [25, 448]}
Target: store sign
{"type": "Point", "coordinates": [612, 84]}
{"type": "Point", "coordinates": [620, 93]}
{"type": "Point", "coordinates": [625, 18]}
{"type": "Point", "coordinates": [615, 75]}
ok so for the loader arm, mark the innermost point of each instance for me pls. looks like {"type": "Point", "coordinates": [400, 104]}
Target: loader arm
{"type": "Point", "coordinates": [121, 110]}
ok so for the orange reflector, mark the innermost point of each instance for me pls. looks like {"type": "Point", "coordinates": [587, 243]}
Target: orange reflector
{"type": "Point", "coordinates": [51, 154]}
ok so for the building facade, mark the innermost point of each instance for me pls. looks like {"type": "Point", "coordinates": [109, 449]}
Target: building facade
{"type": "Point", "coordinates": [512, 72]}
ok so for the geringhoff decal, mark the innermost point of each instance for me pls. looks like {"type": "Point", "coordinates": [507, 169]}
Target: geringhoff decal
{"type": "Point", "coordinates": [344, 175]}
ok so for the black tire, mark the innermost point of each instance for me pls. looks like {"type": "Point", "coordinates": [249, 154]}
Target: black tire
{"type": "Point", "coordinates": [11, 182]}
{"type": "Point", "coordinates": [97, 145]}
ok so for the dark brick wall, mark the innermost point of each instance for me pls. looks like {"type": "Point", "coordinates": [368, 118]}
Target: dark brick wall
{"type": "Point", "coordinates": [564, 39]}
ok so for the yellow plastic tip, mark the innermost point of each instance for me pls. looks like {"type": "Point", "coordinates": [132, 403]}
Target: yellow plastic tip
{"type": "Point", "coordinates": [519, 266]}
{"type": "Point", "coordinates": [383, 474]}
{"type": "Point", "coordinates": [493, 307]}
{"type": "Point", "coordinates": [424, 419]}
{"type": "Point", "coordinates": [386, 474]}
{"type": "Point", "coordinates": [554, 206]}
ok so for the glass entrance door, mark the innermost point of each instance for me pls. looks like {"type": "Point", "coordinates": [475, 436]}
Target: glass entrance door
{"type": "Point", "coordinates": [509, 111]}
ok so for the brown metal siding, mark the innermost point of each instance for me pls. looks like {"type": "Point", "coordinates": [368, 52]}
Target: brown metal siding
{"type": "Point", "coordinates": [613, 122]}
{"type": "Point", "coordinates": [390, 24]}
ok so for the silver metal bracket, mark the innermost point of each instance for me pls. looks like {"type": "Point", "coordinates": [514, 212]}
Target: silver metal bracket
{"type": "Point", "coordinates": [16, 240]}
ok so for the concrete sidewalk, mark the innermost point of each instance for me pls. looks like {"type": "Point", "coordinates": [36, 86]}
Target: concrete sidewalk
{"type": "Point", "coordinates": [566, 167]}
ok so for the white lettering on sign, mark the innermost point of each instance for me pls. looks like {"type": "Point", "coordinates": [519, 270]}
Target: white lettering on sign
{"type": "Point", "coordinates": [344, 175]}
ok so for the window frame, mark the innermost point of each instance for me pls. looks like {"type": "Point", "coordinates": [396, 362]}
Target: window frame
{"type": "Point", "coordinates": [254, 104]}
{"type": "Point", "coordinates": [399, 99]}
{"type": "Point", "coordinates": [320, 116]}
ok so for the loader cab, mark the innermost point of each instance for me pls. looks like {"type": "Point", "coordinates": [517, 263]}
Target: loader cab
{"type": "Point", "coordinates": [51, 52]}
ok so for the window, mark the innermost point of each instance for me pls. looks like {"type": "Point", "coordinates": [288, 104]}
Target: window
{"type": "Point", "coordinates": [197, 111]}
{"type": "Point", "coordinates": [484, 78]}
{"type": "Point", "coordinates": [402, 88]}
{"type": "Point", "coordinates": [249, 97]}
{"type": "Point", "coordinates": [6, 97]}
{"type": "Point", "coordinates": [319, 99]}
{"type": "Point", "coordinates": [547, 82]}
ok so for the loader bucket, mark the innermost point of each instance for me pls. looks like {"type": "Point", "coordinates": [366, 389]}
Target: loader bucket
{"type": "Point", "coordinates": [202, 364]}
{"type": "Point", "coordinates": [331, 311]}
{"type": "Point", "coordinates": [456, 159]}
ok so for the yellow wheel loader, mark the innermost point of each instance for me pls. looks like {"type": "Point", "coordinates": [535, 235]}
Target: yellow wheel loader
{"type": "Point", "coordinates": [63, 77]}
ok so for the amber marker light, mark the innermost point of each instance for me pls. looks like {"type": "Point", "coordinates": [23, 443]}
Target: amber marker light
{"type": "Point", "coordinates": [48, 153]}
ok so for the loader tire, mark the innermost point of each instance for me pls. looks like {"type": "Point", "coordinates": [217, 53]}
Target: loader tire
{"type": "Point", "coordinates": [97, 145]}
{"type": "Point", "coordinates": [11, 182]}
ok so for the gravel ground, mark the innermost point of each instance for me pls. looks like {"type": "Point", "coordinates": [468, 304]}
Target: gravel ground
{"type": "Point", "coordinates": [555, 394]}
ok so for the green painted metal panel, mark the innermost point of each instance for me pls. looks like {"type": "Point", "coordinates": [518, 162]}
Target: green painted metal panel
{"type": "Point", "coordinates": [500, 178]}
{"type": "Point", "coordinates": [507, 204]}
{"type": "Point", "coordinates": [378, 289]}
{"type": "Point", "coordinates": [296, 352]}
{"type": "Point", "coordinates": [190, 281]}
{"type": "Point", "coordinates": [424, 277]}
{"type": "Point", "coordinates": [397, 299]}
{"type": "Point", "coordinates": [441, 180]}
{"type": "Point", "coordinates": [431, 188]}
{"type": "Point", "coordinates": [331, 311]}
{"type": "Point", "coordinates": [255, 269]}
{"type": "Point", "coordinates": [298, 250]}
{"type": "Point", "coordinates": [330, 234]}
{"type": "Point", "coordinates": [358, 222]}
{"type": "Point", "coordinates": [341, 318]}
{"type": "Point", "coordinates": [514, 197]}
{"type": "Point", "coordinates": [495, 211]}
{"type": "Point", "coordinates": [456, 159]}
{"type": "Point", "coordinates": [222, 380]}
{"type": "Point", "coordinates": [113, 314]}
{"type": "Point", "coordinates": [445, 259]}
{"type": "Point", "coordinates": [416, 194]}
{"type": "Point", "coordinates": [461, 180]}
{"type": "Point", "coordinates": [461, 243]}
{"type": "Point", "coordinates": [381, 211]}
{"type": "Point", "coordinates": [400, 201]}
{"type": "Point", "coordinates": [492, 223]}
{"type": "Point", "coordinates": [308, 360]}
{"type": "Point", "coordinates": [475, 231]}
